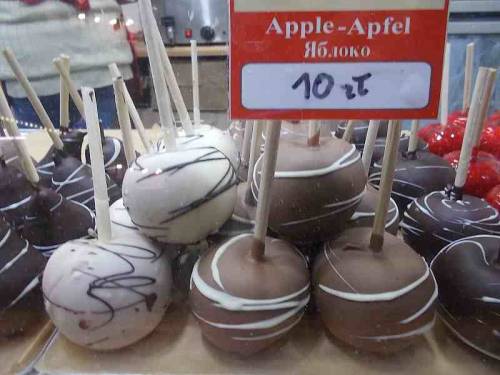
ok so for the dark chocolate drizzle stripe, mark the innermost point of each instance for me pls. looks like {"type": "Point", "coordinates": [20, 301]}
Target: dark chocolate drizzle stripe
{"type": "Point", "coordinates": [226, 182]}
{"type": "Point", "coordinates": [122, 280]}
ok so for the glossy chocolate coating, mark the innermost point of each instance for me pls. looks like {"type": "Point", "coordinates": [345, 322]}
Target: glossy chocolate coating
{"type": "Point", "coordinates": [15, 194]}
{"type": "Point", "coordinates": [74, 181]}
{"type": "Point", "coordinates": [315, 189]}
{"type": "Point", "coordinates": [378, 302]}
{"type": "Point", "coordinates": [21, 266]}
{"type": "Point", "coordinates": [360, 131]}
{"type": "Point", "coordinates": [433, 221]}
{"type": "Point", "coordinates": [468, 275]}
{"type": "Point", "coordinates": [115, 162]}
{"type": "Point", "coordinates": [365, 213]}
{"type": "Point", "coordinates": [415, 175]}
{"type": "Point", "coordinates": [52, 220]}
{"type": "Point", "coordinates": [243, 305]}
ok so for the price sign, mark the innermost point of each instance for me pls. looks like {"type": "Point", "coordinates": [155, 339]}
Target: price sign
{"type": "Point", "coordinates": [325, 59]}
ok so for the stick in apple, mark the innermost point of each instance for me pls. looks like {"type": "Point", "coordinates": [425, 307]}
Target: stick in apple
{"type": "Point", "coordinates": [413, 143]}
{"type": "Point", "coordinates": [196, 83]}
{"type": "Point", "coordinates": [468, 72]}
{"type": "Point", "coordinates": [371, 138]}
{"type": "Point", "coordinates": [445, 84]}
{"type": "Point", "coordinates": [64, 95]}
{"type": "Point", "coordinates": [161, 90]}
{"type": "Point", "coordinates": [124, 120]}
{"type": "Point", "coordinates": [349, 130]}
{"type": "Point", "coordinates": [18, 139]}
{"type": "Point", "coordinates": [71, 87]}
{"type": "Point", "coordinates": [173, 86]}
{"type": "Point", "coordinates": [388, 166]}
{"type": "Point", "coordinates": [134, 114]}
{"type": "Point", "coordinates": [477, 114]}
{"type": "Point", "coordinates": [313, 135]}
{"type": "Point", "coordinates": [33, 98]}
{"type": "Point", "coordinates": [263, 205]}
{"type": "Point", "coordinates": [101, 197]}
{"type": "Point", "coordinates": [258, 126]}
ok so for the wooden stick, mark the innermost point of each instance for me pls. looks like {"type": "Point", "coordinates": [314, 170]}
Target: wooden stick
{"type": "Point", "coordinates": [33, 348]}
{"type": "Point", "coordinates": [173, 86]}
{"type": "Point", "coordinates": [371, 138]}
{"type": "Point", "coordinates": [101, 197]}
{"type": "Point", "coordinates": [477, 114]}
{"type": "Point", "coordinates": [136, 119]}
{"type": "Point", "coordinates": [64, 95]}
{"type": "Point", "coordinates": [33, 98]}
{"type": "Point", "coordinates": [258, 126]}
{"type": "Point", "coordinates": [247, 140]}
{"type": "Point", "coordinates": [445, 84]}
{"type": "Point", "coordinates": [162, 95]}
{"type": "Point", "coordinates": [313, 135]}
{"type": "Point", "coordinates": [349, 130]}
{"type": "Point", "coordinates": [196, 83]}
{"type": "Point", "coordinates": [73, 90]}
{"type": "Point", "coordinates": [413, 143]}
{"type": "Point", "coordinates": [264, 203]}
{"type": "Point", "coordinates": [468, 72]}
{"type": "Point", "coordinates": [19, 140]}
{"type": "Point", "coordinates": [388, 166]}
{"type": "Point", "coordinates": [124, 120]}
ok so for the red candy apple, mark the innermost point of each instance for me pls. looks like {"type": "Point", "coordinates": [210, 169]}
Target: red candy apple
{"type": "Point", "coordinates": [446, 140]}
{"type": "Point", "coordinates": [427, 132]}
{"type": "Point", "coordinates": [483, 174]}
{"type": "Point", "coordinates": [458, 118]}
{"type": "Point", "coordinates": [490, 140]}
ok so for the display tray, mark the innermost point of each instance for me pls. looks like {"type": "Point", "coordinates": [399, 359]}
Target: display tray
{"type": "Point", "coordinates": [177, 346]}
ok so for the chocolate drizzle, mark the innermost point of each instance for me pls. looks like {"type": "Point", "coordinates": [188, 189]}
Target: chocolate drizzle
{"type": "Point", "coordinates": [435, 220]}
{"type": "Point", "coordinates": [73, 180]}
{"type": "Point", "coordinates": [125, 286]}
{"type": "Point", "coordinates": [393, 287]}
{"type": "Point", "coordinates": [243, 305]}
{"type": "Point", "coordinates": [415, 175]}
{"type": "Point", "coordinates": [315, 192]}
{"type": "Point", "coordinates": [115, 162]}
{"type": "Point", "coordinates": [469, 294]}
{"type": "Point", "coordinates": [169, 167]}
{"type": "Point", "coordinates": [52, 220]}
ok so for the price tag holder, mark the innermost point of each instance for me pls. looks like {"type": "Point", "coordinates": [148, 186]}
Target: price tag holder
{"type": "Point", "coordinates": [324, 59]}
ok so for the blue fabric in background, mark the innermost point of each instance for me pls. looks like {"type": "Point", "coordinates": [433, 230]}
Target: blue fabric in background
{"type": "Point", "coordinates": [487, 54]}
{"type": "Point", "coordinates": [25, 114]}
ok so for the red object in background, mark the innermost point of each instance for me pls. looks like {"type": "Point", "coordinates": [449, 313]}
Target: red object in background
{"type": "Point", "coordinates": [426, 132]}
{"type": "Point", "coordinates": [493, 197]}
{"type": "Point", "coordinates": [449, 138]}
{"type": "Point", "coordinates": [188, 33]}
{"type": "Point", "coordinates": [458, 118]}
{"type": "Point", "coordinates": [82, 5]}
{"type": "Point", "coordinates": [484, 172]}
{"type": "Point", "coordinates": [490, 140]}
